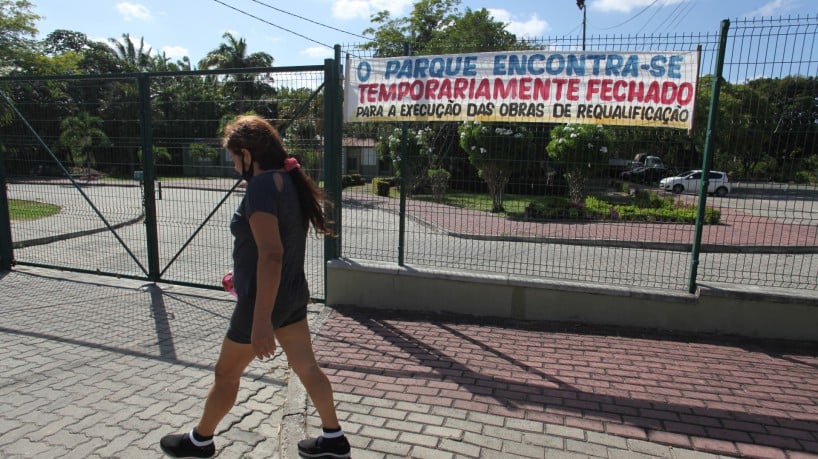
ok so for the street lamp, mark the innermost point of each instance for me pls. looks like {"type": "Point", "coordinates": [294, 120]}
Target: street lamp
{"type": "Point", "coordinates": [581, 5]}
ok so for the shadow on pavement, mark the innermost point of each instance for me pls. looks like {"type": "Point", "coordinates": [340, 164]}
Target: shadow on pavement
{"type": "Point", "coordinates": [670, 388]}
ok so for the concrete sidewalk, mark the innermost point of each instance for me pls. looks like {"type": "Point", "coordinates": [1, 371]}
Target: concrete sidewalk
{"type": "Point", "coordinates": [100, 367]}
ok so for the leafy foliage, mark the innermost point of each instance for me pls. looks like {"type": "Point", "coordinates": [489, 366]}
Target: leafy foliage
{"type": "Point", "coordinates": [17, 31]}
{"type": "Point", "coordinates": [415, 150]}
{"type": "Point", "coordinates": [202, 151]}
{"type": "Point", "coordinates": [646, 207]}
{"type": "Point", "coordinates": [496, 150]}
{"type": "Point", "coordinates": [81, 134]}
{"type": "Point", "coordinates": [160, 153]}
{"type": "Point", "coordinates": [582, 149]}
{"type": "Point", "coordinates": [439, 181]}
{"type": "Point", "coordinates": [436, 27]}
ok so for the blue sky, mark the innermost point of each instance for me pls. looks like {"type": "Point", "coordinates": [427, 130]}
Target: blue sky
{"type": "Point", "coordinates": [194, 27]}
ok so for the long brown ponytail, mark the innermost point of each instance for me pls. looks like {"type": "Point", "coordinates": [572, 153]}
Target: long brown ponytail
{"type": "Point", "coordinates": [262, 140]}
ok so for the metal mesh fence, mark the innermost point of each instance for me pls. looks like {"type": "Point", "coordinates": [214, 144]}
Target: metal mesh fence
{"type": "Point", "coordinates": [77, 235]}
{"type": "Point", "coordinates": [767, 146]}
{"type": "Point", "coordinates": [512, 212]}
{"type": "Point", "coordinates": [490, 197]}
{"type": "Point", "coordinates": [94, 127]}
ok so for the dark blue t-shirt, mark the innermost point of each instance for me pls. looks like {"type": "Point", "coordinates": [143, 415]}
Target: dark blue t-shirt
{"type": "Point", "coordinates": [263, 195]}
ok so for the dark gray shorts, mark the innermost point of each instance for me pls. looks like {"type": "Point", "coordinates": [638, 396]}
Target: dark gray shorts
{"type": "Point", "coordinates": [241, 323]}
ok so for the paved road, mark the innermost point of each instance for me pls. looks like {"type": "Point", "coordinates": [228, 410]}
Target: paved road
{"type": "Point", "coordinates": [454, 239]}
{"type": "Point", "coordinates": [95, 367]}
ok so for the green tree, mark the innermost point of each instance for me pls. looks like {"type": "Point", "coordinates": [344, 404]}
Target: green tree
{"type": "Point", "coordinates": [132, 59]}
{"type": "Point", "coordinates": [473, 31]}
{"type": "Point", "coordinates": [81, 134]}
{"type": "Point", "coordinates": [232, 54]}
{"type": "Point", "coordinates": [742, 126]}
{"type": "Point", "coordinates": [428, 17]}
{"type": "Point", "coordinates": [88, 56]}
{"type": "Point", "coordinates": [496, 150]}
{"type": "Point", "coordinates": [415, 150]}
{"type": "Point", "coordinates": [301, 110]}
{"type": "Point", "coordinates": [436, 27]}
{"type": "Point", "coordinates": [581, 149]}
{"type": "Point", "coordinates": [17, 32]}
{"type": "Point", "coordinates": [159, 154]}
{"type": "Point", "coordinates": [793, 117]}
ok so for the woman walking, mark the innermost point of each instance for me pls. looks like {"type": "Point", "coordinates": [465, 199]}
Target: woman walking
{"type": "Point", "coordinates": [270, 229]}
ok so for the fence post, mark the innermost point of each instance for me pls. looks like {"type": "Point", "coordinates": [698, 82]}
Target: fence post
{"type": "Point", "coordinates": [6, 247]}
{"type": "Point", "coordinates": [333, 119]}
{"type": "Point", "coordinates": [404, 154]}
{"type": "Point", "coordinates": [707, 160]}
{"type": "Point", "coordinates": [148, 177]}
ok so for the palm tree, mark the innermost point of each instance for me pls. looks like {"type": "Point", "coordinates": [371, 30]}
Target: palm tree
{"type": "Point", "coordinates": [133, 59]}
{"type": "Point", "coordinates": [232, 54]}
{"type": "Point", "coordinates": [81, 134]}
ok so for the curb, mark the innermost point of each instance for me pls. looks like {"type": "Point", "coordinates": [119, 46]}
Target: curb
{"type": "Point", "coordinates": [294, 421]}
{"type": "Point", "coordinates": [66, 236]}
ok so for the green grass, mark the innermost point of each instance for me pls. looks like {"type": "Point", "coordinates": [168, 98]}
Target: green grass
{"type": "Point", "coordinates": [513, 204]}
{"type": "Point", "coordinates": [30, 210]}
{"type": "Point", "coordinates": [645, 207]}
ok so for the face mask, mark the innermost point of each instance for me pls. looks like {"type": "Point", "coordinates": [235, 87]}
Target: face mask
{"type": "Point", "coordinates": [246, 172]}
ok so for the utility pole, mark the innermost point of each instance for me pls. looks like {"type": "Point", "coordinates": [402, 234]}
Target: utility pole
{"type": "Point", "coordinates": [581, 5]}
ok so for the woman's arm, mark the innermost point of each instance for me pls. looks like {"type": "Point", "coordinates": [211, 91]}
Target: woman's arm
{"type": "Point", "coordinates": [268, 278]}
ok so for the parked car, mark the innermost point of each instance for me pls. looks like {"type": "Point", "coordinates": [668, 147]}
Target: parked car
{"type": "Point", "coordinates": [642, 174]}
{"type": "Point", "coordinates": [690, 181]}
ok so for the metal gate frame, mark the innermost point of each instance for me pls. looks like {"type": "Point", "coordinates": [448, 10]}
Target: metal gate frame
{"type": "Point", "coordinates": [153, 272]}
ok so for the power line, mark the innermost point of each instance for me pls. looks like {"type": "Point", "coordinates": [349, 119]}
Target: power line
{"type": "Point", "coordinates": [274, 25]}
{"type": "Point", "coordinates": [681, 18]}
{"type": "Point", "coordinates": [650, 19]}
{"type": "Point", "coordinates": [632, 17]}
{"type": "Point", "coordinates": [670, 17]}
{"type": "Point", "coordinates": [310, 20]}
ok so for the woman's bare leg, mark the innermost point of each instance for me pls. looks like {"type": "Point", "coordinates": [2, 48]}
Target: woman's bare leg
{"type": "Point", "coordinates": [295, 341]}
{"type": "Point", "coordinates": [233, 360]}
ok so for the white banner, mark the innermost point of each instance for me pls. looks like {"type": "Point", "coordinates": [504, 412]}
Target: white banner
{"type": "Point", "coordinates": [616, 88]}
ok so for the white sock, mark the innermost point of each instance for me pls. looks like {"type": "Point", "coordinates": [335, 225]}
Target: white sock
{"type": "Point", "coordinates": [338, 434]}
{"type": "Point", "coordinates": [197, 442]}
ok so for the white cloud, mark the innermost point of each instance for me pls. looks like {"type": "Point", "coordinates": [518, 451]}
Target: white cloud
{"type": "Point", "coordinates": [774, 8]}
{"type": "Point", "coordinates": [175, 52]}
{"type": "Point", "coordinates": [626, 6]}
{"type": "Point", "coordinates": [133, 11]}
{"type": "Point", "coordinates": [318, 52]}
{"type": "Point", "coordinates": [533, 27]}
{"type": "Point", "coordinates": [352, 9]}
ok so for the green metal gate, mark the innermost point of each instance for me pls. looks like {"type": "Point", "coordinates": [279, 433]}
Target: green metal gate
{"type": "Point", "coordinates": [133, 167]}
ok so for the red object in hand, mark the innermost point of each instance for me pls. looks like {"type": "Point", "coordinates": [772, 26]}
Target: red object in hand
{"type": "Point", "coordinates": [227, 283]}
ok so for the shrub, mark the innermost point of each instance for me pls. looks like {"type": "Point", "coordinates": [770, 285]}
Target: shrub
{"type": "Point", "coordinates": [200, 151]}
{"type": "Point", "coordinates": [548, 208]}
{"type": "Point", "coordinates": [439, 180]}
{"type": "Point", "coordinates": [597, 208]}
{"type": "Point", "coordinates": [382, 187]}
{"type": "Point", "coordinates": [392, 181]}
{"type": "Point", "coordinates": [352, 180]}
{"type": "Point", "coordinates": [647, 207]}
{"type": "Point", "coordinates": [646, 199]}
{"type": "Point", "coordinates": [805, 177]}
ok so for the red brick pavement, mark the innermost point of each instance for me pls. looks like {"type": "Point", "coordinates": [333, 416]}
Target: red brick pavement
{"type": "Point", "coordinates": [715, 394]}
